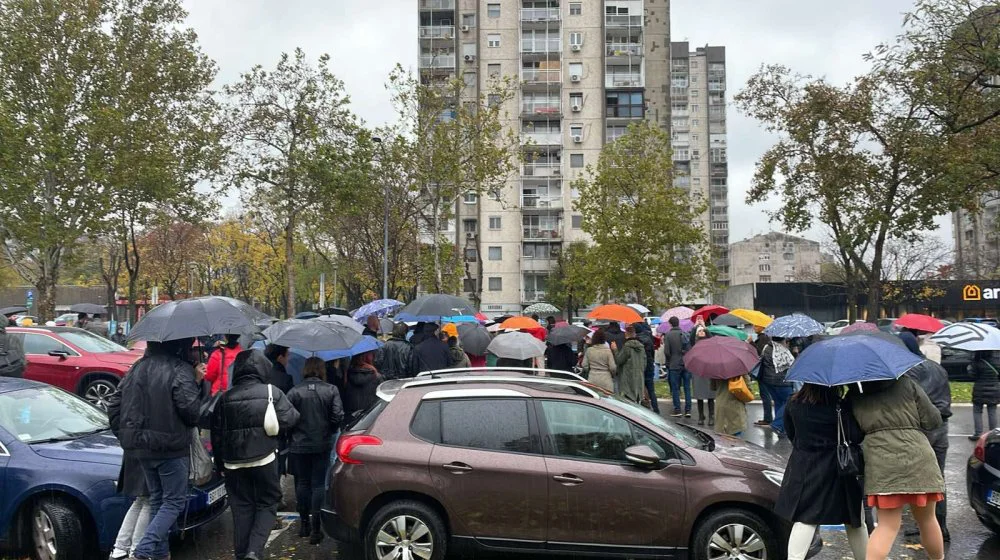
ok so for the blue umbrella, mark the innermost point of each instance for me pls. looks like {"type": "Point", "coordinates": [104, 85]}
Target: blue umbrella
{"type": "Point", "coordinates": [378, 308]}
{"type": "Point", "coordinates": [842, 360]}
{"type": "Point", "coordinates": [460, 319]}
{"type": "Point", "coordinates": [795, 325]}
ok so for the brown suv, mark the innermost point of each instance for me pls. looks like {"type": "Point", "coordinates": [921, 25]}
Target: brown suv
{"type": "Point", "coordinates": [526, 464]}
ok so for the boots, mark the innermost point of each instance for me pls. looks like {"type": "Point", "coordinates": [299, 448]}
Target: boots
{"type": "Point", "coordinates": [304, 525]}
{"type": "Point", "coordinates": [317, 531]}
{"type": "Point", "coordinates": [701, 412]}
{"type": "Point", "coordinates": [711, 412]}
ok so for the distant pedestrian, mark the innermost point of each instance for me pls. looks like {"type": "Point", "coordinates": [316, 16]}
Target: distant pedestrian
{"type": "Point", "coordinates": [730, 412]}
{"type": "Point", "coordinates": [550, 323]}
{"type": "Point", "coordinates": [813, 491]}
{"type": "Point", "coordinates": [644, 334]}
{"type": "Point", "coordinates": [614, 335]}
{"type": "Point", "coordinates": [560, 357]}
{"type": "Point", "coordinates": [431, 353]}
{"type": "Point", "coordinates": [761, 344]}
{"type": "Point", "coordinates": [362, 381]}
{"type": "Point", "coordinates": [217, 369]}
{"type": "Point", "coordinates": [397, 360]}
{"type": "Point", "coordinates": [631, 361]}
{"type": "Point", "coordinates": [97, 326]}
{"type": "Point", "coordinates": [774, 364]}
{"type": "Point", "coordinates": [599, 365]}
{"type": "Point", "coordinates": [900, 467]}
{"type": "Point", "coordinates": [321, 412]}
{"type": "Point", "coordinates": [909, 338]}
{"type": "Point", "coordinates": [675, 344]}
{"type": "Point", "coordinates": [119, 337]}
{"type": "Point", "coordinates": [372, 326]}
{"type": "Point", "coordinates": [985, 391]}
{"type": "Point", "coordinates": [457, 357]}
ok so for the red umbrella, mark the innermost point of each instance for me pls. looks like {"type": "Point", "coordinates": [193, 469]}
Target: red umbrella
{"type": "Point", "coordinates": [860, 326]}
{"type": "Point", "coordinates": [708, 310]}
{"type": "Point", "coordinates": [720, 357]}
{"type": "Point", "coordinates": [919, 322]}
{"type": "Point", "coordinates": [481, 318]}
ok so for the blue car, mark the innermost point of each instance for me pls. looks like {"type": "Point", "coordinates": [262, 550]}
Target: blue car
{"type": "Point", "coordinates": [59, 463]}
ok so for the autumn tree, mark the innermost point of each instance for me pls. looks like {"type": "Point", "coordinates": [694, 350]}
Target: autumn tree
{"type": "Point", "coordinates": [649, 244]}
{"type": "Point", "coordinates": [169, 249]}
{"type": "Point", "coordinates": [570, 284]}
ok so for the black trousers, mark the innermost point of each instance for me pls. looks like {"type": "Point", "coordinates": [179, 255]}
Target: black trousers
{"type": "Point", "coordinates": [309, 470]}
{"type": "Point", "coordinates": [938, 439]}
{"type": "Point", "coordinates": [254, 494]}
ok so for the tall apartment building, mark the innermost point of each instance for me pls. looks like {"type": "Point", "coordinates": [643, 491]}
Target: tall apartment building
{"type": "Point", "coordinates": [977, 241]}
{"type": "Point", "coordinates": [585, 69]}
{"type": "Point", "coordinates": [774, 257]}
{"type": "Point", "coordinates": [698, 108]}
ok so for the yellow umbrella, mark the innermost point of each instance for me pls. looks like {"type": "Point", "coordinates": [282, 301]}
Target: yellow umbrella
{"type": "Point", "coordinates": [755, 318]}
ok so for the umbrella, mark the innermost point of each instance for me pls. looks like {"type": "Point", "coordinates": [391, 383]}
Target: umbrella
{"type": "Point", "coordinates": [919, 322]}
{"type": "Point", "coordinates": [881, 335]}
{"type": "Point", "coordinates": [516, 346]}
{"type": "Point", "coordinates": [385, 325]}
{"type": "Point", "coordinates": [642, 309]}
{"type": "Point", "coordinates": [860, 326]}
{"type": "Point", "coordinates": [366, 344]}
{"type": "Point", "coordinates": [794, 325]}
{"type": "Point", "coordinates": [752, 317]}
{"type": "Point", "coordinates": [343, 320]}
{"type": "Point", "coordinates": [460, 319]}
{"type": "Point", "coordinates": [481, 318]}
{"type": "Point", "coordinates": [378, 308]}
{"type": "Point", "coordinates": [684, 325]}
{"type": "Point", "coordinates": [541, 309]}
{"type": "Point", "coordinates": [517, 323]}
{"type": "Point", "coordinates": [335, 311]}
{"type": "Point", "coordinates": [705, 311]}
{"type": "Point", "coordinates": [680, 312]}
{"type": "Point", "coordinates": [615, 312]}
{"type": "Point", "coordinates": [431, 308]}
{"type": "Point", "coordinates": [971, 337]}
{"type": "Point", "coordinates": [842, 360]}
{"type": "Point", "coordinates": [306, 315]}
{"type": "Point", "coordinates": [567, 335]}
{"type": "Point", "coordinates": [193, 317]}
{"type": "Point", "coordinates": [312, 336]}
{"type": "Point", "coordinates": [474, 338]}
{"type": "Point", "coordinates": [729, 320]}
{"type": "Point", "coordinates": [721, 330]}
{"type": "Point", "coordinates": [12, 310]}
{"type": "Point", "coordinates": [88, 308]}
{"type": "Point", "coordinates": [720, 357]}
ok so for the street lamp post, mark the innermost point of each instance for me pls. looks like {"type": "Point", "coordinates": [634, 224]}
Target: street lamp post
{"type": "Point", "coordinates": [385, 229]}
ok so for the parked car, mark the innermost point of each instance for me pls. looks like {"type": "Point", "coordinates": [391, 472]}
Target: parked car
{"type": "Point", "coordinates": [956, 362]}
{"type": "Point", "coordinates": [523, 464]}
{"type": "Point", "coordinates": [982, 478]}
{"type": "Point", "coordinates": [886, 325]}
{"type": "Point", "coordinates": [58, 466]}
{"type": "Point", "coordinates": [75, 360]}
{"type": "Point", "coordinates": [64, 320]}
{"type": "Point", "coordinates": [985, 320]}
{"type": "Point", "coordinates": [834, 328]}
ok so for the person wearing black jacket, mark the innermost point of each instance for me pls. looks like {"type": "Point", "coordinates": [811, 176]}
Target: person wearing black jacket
{"type": "Point", "coordinates": [152, 414]}
{"type": "Point", "coordinates": [560, 357]}
{"type": "Point", "coordinates": [431, 353]}
{"type": "Point", "coordinates": [614, 335]}
{"type": "Point", "coordinates": [247, 455]}
{"type": "Point", "coordinates": [933, 379]}
{"type": "Point", "coordinates": [320, 414]}
{"type": "Point", "coordinates": [362, 381]}
{"type": "Point", "coordinates": [278, 356]}
{"type": "Point", "coordinates": [644, 334]}
{"type": "Point", "coordinates": [397, 359]}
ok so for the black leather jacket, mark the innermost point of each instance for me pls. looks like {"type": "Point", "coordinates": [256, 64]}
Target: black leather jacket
{"type": "Point", "coordinates": [320, 414]}
{"type": "Point", "coordinates": [397, 360]}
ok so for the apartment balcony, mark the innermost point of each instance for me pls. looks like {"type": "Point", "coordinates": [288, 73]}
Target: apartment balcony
{"type": "Point", "coordinates": [623, 49]}
{"type": "Point", "coordinates": [623, 80]}
{"type": "Point", "coordinates": [542, 233]}
{"type": "Point", "coordinates": [538, 265]}
{"type": "Point", "coordinates": [538, 109]}
{"type": "Point", "coordinates": [541, 76]}
{"type": "Point", "coordinates": [437, 32]}
{"type": "Point", "coordinates": [543, 46]}
{"type": "Point", "coordinates": [437, 4]}
{"type": "Point", "coordinates": [539, 202]}
{"type": "Point", "coordinates": [539, 138]}
{"type": "Point", "coordinates": [541, 170]}
{"type": "Point", "coordinates": [534, 296]}
{"type": "Point", "coordinates": [545, 15]}
{"type": "Point", "coordinates": [622, 20]}
{"type": "Point", "coordinates": [437, 61]}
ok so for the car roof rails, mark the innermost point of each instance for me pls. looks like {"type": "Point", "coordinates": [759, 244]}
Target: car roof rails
{"type": "Point", "coordinates": [427, 381]}
{"type": "Point", "coordinates": [550, 373]}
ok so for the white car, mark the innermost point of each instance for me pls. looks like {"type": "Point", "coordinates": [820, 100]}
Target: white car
{"type": "Point", "coordinates": [837, 326]}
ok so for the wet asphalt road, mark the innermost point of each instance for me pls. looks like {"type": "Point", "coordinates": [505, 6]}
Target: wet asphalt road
{"type": "Point", "coordinates": [970, 540]}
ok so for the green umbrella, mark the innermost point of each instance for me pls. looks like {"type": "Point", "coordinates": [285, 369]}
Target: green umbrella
{"type": "Point", "coordinates": [728, 331]}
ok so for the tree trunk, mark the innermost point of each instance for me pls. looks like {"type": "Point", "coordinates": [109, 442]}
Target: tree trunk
{"type": "Point", "coordinates": [436, 248]}
{"type": "Point", "coordinates": [290, 266]}
{"type": "Point", "coordinates": [46, 292]}
{"type": "Point", "coordinates": [852, 301]}
{"type": "Point", "coordinates": [874, 280]}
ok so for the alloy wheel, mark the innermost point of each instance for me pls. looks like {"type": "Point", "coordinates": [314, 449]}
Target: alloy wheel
{"type": "Point", "coordinates": [404, 538]}
{"type": "Point", "coordinates": [99, 393]}
{"type": "Point", "coordinates": [736, 542]}
{"type": "Point", "coordinates": [44, 535]}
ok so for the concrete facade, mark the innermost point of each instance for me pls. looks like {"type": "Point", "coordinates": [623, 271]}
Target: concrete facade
{"type": "Point", "coordinates": [977, 241]}
{"type": "Point", "coordinates": [774, 258]}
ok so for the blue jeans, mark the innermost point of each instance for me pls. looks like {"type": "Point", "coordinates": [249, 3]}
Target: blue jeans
{"type": "Point", "coordinates": [167, 481]}
{"type": "Point", "coordinates": [780, 395]}
{"type": "Point", "coordinates": [765, 398]}
{"type": "Point", "coordinates": [651, 389]}
{"type": "Point", "coordinates": [677, 378]}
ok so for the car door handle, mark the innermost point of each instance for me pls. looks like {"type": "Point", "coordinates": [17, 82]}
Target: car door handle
{"type": "Point", "coordinates": [456, 467]}
{"type": "Point", "coordinates": [568, 479]}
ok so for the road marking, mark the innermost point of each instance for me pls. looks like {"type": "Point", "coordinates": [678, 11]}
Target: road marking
{"type": "Point", "coordinates": [286, 518]}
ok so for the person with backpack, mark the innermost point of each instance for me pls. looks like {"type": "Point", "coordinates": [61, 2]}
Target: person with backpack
{"type": "Point", "coordinates": [775, 361]}
{"type": "Point", "coordinates": [11, 354]}
{"type": "Point", "coordinates": [675, 344]}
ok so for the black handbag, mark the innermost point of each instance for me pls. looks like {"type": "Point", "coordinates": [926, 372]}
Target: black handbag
{"type": "Point", "coordinates": [848, 454]}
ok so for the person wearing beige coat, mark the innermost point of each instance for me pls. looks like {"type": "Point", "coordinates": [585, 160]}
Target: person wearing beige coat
{"type": "Point", "coordinates": [599, 363]}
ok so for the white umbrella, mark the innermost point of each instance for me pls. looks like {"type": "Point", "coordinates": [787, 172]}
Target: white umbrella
{"type": "Point", "coordinates": [640, 308]}
{"type": "Point", "coordinates": [516, 346]}
{"type": "Point", "coordinates": [971, 337]}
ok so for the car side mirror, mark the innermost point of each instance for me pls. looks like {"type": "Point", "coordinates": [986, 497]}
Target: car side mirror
{"type": "Point", "coordinates": [642, 456]}
{"type": "Point", "coordinates": [61, 354]}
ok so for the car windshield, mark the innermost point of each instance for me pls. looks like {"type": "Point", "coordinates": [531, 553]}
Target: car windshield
{"type": "Point", "coordinates": [90, 342]}
{"type": "Point", "coordinates": [684, 434]}
{"type": "Point", "coordinates": [42, 414]}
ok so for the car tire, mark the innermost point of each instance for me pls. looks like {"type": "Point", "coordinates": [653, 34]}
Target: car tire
{"type": "Point", "coordinates": [56, 532]}
{"type": "Point", "coordinates": [738, 529]}
{"type": "Point", "coordinates": [98, 390]}
{"type": "Point", "coordinates": [989, 524]}
{"type": "Point", "coordinates": [399, 522]}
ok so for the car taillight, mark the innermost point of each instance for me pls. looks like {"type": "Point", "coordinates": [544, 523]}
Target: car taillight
{"type": "Point", "coordinates": [980, 451]}
{"type": "Point", "coordinates": [346, 444]}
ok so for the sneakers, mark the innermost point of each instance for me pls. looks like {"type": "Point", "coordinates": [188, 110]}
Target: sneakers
{"type": "Point", "coordinates": [677, 414]}
{"type": "Point", "coordinates": [687, 414]}
{"type": "Point", "coordinates": [973, 438]}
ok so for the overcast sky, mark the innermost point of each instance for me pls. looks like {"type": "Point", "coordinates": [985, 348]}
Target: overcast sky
{"type": "Point", "coordinates": [366, 39]}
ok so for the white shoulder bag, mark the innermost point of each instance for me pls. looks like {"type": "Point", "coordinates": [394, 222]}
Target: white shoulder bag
{"type": "Point", "coordinates": [271, 426]}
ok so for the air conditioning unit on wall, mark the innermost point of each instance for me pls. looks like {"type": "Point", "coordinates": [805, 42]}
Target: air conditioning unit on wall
{"type": "Point", "coordinates": [574, 48]}
{"type": "Point", "coordinates": [574, 78]}
{"type": "Point", "coordinates": [576, 107]}
{"type": "Point", "coordinates": [465, 29]}
{"type": "Point", "coordinates": [578, 138]}
{"type": "Point", "coordinates": [470, 58]}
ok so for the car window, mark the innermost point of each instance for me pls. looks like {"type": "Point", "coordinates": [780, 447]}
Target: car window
{"type": "Point", "coordinates": [663, 450]}
{"type": "Point", "coordinates": [686, 435]}
{"type": "Point", "coordinates": [426, 423]}
{"type": "Point", "coordinates": [840, 324]}
{"type": "Point", "coordinates": [45, 413]}
{"type": "Point", "coordinates": [42, 344]}
{"type": "Point", "coordinates": [494, 424]}
{"type": "Point", "coordinates": [586, 432]}
{"type": "Point", "coordinates": [91, 342]}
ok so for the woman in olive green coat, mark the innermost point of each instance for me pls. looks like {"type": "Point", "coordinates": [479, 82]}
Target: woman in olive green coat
{"type": "Point", "coordinates": [631, 362]}
{"type": "Point", "coordinates": [730, 412]}
{"type": "Point", "coordinates": [900, 466]}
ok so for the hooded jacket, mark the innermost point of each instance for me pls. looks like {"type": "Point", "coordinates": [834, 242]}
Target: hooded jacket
{"type": "Point", "coordinates": [645, 335]}
{"type": "Point", "coordinates": [613, 333]}
{"type": "Point", "coordinates": [217, 368]}
{"type": "Point", "coordinates": [432, 354]}
{"type": "Point", "coordinates": [631, 362]}
{"type": "Point", "coordinates": [238, 434]}
{"type": "Point", "coordinates": [320, 414]}
{"type": "Point", "coordinates": [360, 390]}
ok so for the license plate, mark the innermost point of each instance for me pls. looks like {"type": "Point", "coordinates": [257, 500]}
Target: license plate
{"type": "Point", "coordinates": [993, 498]}
{"type": "Point", "coordinates": [216, 494]}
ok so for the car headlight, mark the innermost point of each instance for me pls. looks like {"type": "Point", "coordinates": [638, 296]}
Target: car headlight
{"type": "Point", "coordinates": [775, 476]}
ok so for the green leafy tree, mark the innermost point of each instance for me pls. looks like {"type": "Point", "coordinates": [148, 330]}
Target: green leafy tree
{"type": "Point", "coordinates": [292, 135]}
{"type": "Point", "coordinates": [649, 245]}
{"type": "Point", "coordinates": [571, 283]}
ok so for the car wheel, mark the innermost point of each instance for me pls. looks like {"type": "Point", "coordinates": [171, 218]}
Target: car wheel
{"type": "Point", "coordinates": [735, 533]}
{"type": "Point", "coordinates": [98, 392]}
{"type": "Point", "coordinates": [56, 531]}
{"type": "Point", "coordinates": [989, 524]}
{"type": "Point", "coordinates": [405, 530]}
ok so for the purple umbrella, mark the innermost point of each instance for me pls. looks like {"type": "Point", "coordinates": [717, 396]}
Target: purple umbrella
{"type": "Point", "coordinates": [685, 325]}
{"type": "Point", "coordinates": [720, 357]}
{"type": "Point", "coordinates": [860, 326]}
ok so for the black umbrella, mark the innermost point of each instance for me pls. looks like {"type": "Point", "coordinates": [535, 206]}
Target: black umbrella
{"type": "Point", "coordinates": [312, 336]}
{"type": "Point", "coordinates": [334, 311]}
{"type": "Point", "coordinates": [89, 308]}
{"type": "Point", "coordinates": [728, 320]}
{"type": "Point", "coordinates": [201, 316]}
{"type": "Point", "coordinates": [474, 338]}
{"type": "Point", "coordinates": [306, 315]}
{"type": "Point", "coordinates": [431, 308]}
{"type": "Point", "coordinates": [12, 310]}
{"type": "Point", "coordinates": [888, 337]}
{"type": "Point", "coordinates": [566, 335]}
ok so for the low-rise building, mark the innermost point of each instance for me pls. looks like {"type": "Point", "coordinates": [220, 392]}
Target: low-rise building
{"type": "Point", "coordinates": [774, 257]}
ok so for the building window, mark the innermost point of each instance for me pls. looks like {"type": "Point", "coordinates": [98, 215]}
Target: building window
{"type": "Point", "coordinates": [575, 8]}
{"type": "Point", "coordinates": [789, 278]}
{"type": "Point", "coordinates": [470, 198]}
{"type": "Point", "coordinates": [695, 108]}
{"type": "Point", "coordinates": [469, 20]}
{"type": "Point", "coordinates": [765, 279]}
{"type": "Point", "coordinates": [494, 222]}
{"type": "Point", "coordinates": [471, 254]}
{"type": "Point", "coordinates": [492, 100]}
{"type": "Point", "coordinates": [765, 267]}
{"type": "Point", "coordinates": [717, 155]}
{"type": "Point", "coordinates": [789, 256]}
{"type": "Point", "coordinates": [576, 38]}
{"type": "Point", "coordinates": [624, 105]}
{"type": "Point", "coordinates": [576, 221]}
{"type": "Point", "coordinates": [696, 182]}
{"type": "Point", "coordinates": [496, 253]}
{"type": "Point", "coordinates": [493, 70]}
{"type": "Point", "coordinates": [576, 69]}
{"type": "Point", "coordinates": [496, 283]}
{"type": "Point", "coordinates": [576, 130]}
{"type": "Point", "coordinates": [576, 100]}
{"type": "Point", "coordinates": [493, 40]}
{"type": "Point", "coordinates": [469, 226]}
{"type": "Point", "coordinates": [694, 64]}
{"type": "Point", "coordinates": [469, 285]}
{"type": "Point", "coordinates": [694, 93]}
{"type": "Point", "coordinates": [493, 10]}
{"type": "Point", "coordinates": [576, 160]}
{"type": "Point", "coordinates": [695, 122]}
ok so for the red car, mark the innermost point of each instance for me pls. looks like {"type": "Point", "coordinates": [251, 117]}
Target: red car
{"type": "Point", "coordinates": [75, 360]}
